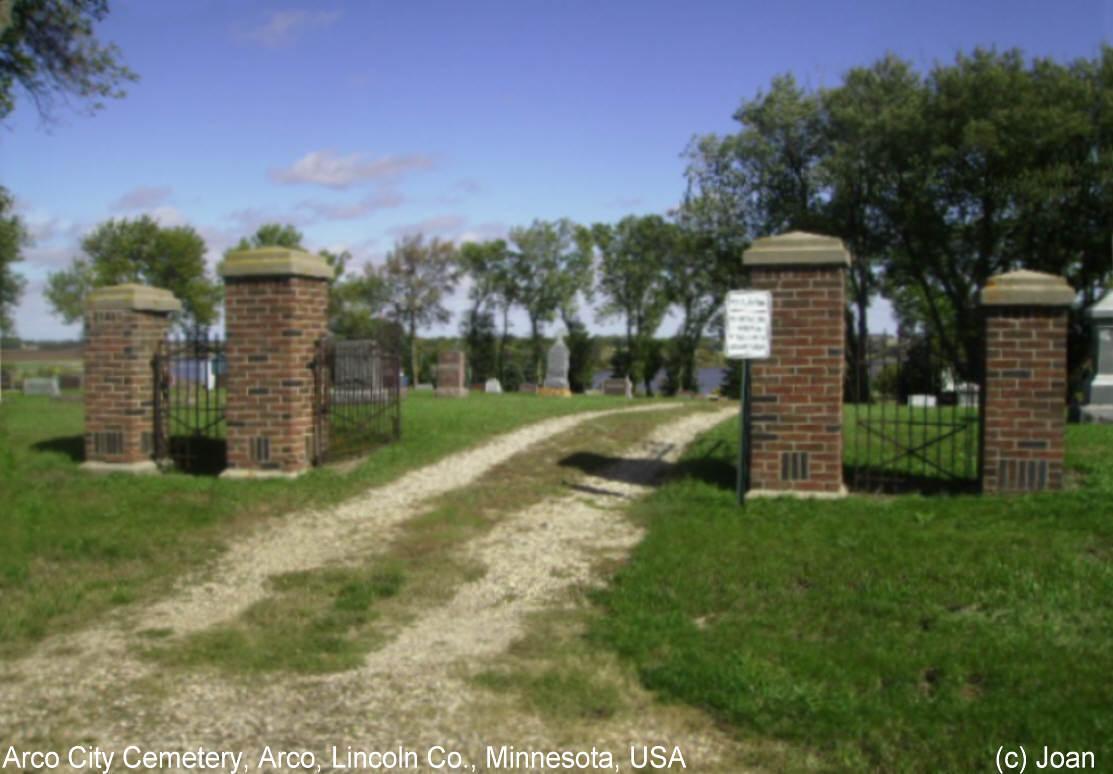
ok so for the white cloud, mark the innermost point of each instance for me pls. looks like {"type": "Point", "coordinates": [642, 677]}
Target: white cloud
{"type": "Point", "coordinates": [284, 26]}
{"type": "Point", "coordinates": [348, 211]}
{"type": "Point", "coordinates": [324, 167]}
{"type": "Point", "coordinates": [626, 203]}
{"type": "Point", "coordinates": [461, 190]}
{"type": "Point", "coordinates": [445, 226]}
{"type": "Point", "coordinates": [142, 198]}
{"type": "Point", "coordinates": [167, 216]}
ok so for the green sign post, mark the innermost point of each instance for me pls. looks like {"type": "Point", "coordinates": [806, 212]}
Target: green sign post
{"type": "Point", "coordinates": [748, 336]}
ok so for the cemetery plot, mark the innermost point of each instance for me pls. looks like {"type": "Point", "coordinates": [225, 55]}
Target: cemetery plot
{"type": "Point", "coordinates": [189, 395]}
{"type": "Point", "coordinates": [910, 423]}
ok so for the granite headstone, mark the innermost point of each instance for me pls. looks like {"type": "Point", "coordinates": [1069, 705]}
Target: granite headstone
{"type": "Point", "coordinates": [450, 375]}
{"type": "Point", "coordinates": [493, 386]}
{"type": "Point", "coordinates": [40, 385]}
{"type": "Point", "coordinates": [621, 388]}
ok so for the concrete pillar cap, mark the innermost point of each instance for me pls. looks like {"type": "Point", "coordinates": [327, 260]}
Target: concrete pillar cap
{"type": "Point", "coordinates": [275, 262]}
{"type": "Point", "coordinates": [1102, 310]}
{"type": "Point", "coordinates": [1027, 288]}
{"type": "Point", "coordinates": [796, 248]}
{"type": "Point", "coordinates": [133, 296]}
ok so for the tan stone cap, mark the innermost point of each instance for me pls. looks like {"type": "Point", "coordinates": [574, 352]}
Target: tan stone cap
{"type": "Point", "coordinates": [275, 262]}
{"type": "Point", "coordinates": [796, 248]}
{"type": "Point", "coordinates": [132, 296]}
{"type": "Point", "coordinates": [1027, 288]}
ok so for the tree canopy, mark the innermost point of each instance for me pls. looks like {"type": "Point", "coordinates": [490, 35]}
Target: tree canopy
{"type": "Point", "coordinates": [48, 50]}
{"type": "Point", "coordinates": [550, 267]}
{"type": "Point", "coordinates": [418, 275]}
{"type": "Point", "coordinates": [139, 250]}
{"type": "Point", "coordinates": [13, 238]}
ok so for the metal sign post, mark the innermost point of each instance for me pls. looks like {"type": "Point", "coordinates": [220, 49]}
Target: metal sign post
{"type": "Point", "coordinates": [748, 337]}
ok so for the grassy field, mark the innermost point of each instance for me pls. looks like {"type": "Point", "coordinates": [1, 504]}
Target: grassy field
{"type": "Point", "coordinates": [877, 634]}
{"type": "Point", "coordinates": [78, 545]}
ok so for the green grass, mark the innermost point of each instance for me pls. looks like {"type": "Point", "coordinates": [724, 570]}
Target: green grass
{"type": "Point", "coordinates": [77, 545]}
{"type": "Point", "coordinates": [911, 634]}
{"type": "Point", "coordinates": [943, 442]}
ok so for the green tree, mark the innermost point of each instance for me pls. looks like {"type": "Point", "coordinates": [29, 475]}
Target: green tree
{"type": "Point", "coordinates": [418, 276]}
{"type": "Point", "coordinates": [13, 238]}
{"type": "Point", "coordinates": [272, 235]}
{"type": "Point", "coordinates": [478, 332]}
{"type": "Point", "coordinates": [355, 303]}
{"type": "Point", "coordinates": [634, 254]}
{"type": "Point", "coordinates": [119, 251]}
{"type": "Point", "coordinates": [48, 50]}
{"type": "Point", "coordinates": [934, 182]}
{"type": "Point", "coordinates": [549, 269]}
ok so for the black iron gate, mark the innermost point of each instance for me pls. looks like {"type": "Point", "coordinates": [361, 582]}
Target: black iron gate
{"type": "Point", "coordinates": [912, 423]}
{"type": "Point", "coordinates": [357, 396]}
{"type": "Point", "coordinates": [189, 392]}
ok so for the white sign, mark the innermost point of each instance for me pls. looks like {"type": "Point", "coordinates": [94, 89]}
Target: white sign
{"type": "Point", "coordinates": [748, 329]}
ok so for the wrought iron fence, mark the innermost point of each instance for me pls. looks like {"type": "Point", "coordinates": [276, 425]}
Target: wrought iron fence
{"type": "Point", "coordinates": [911, 422]}
{"type": "Point", "coordinates": [189, 396]}
{"type": "Point", "coordinates": [357, 396]}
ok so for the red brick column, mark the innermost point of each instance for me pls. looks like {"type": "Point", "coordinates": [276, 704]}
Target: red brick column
{"type": "Point", "coordinates": [123, 327]}
{"type": "Point", "coordinates": [275, 305]}
{"type": "Point", "coordinates": [1025, 381]}
{"type": "Point", "coordinates": [796, 394]}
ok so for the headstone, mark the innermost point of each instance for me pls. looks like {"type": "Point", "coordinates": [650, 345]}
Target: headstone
{"type": "Point", "coordinates": [70, 381]}
{"type": "Point", "coordinates": [528, 387]}
{"type": "Point", "coordinates": [5, 380]}
{"type": "Point", "coordinates": [621, 388]}
{"type": "Point", "coordinates": [423, 387]}
{"type": "Point", "coordinates": [921, 401]}
{"type": "Point", "coordinates": [450, 375]}
{"type": "Point", "coordinates": [493, 386]}
{"type": "Point", "coordinates": [38, 385]}
{"type": "Point", "coordinates": [556, 374]}
{"type": "Point", "coordinates": [556, 371]}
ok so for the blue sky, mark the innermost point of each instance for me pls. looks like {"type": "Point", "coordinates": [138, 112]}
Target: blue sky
{"type": "Point", "coordinates": [360, 122]}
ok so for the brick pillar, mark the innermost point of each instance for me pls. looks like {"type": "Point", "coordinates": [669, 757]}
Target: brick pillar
{"type": "Point", "coordinates": [275, 305]}
{"type": "Point", "coordinates": [796, 394]}
{"type": "Point", "coordinates": [123, 327]}
{"type": "Point", "coordinates": [1025, 381]}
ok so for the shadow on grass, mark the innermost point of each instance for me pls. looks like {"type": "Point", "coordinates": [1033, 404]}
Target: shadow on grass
{"type": "Point", "coordinates": [873, 480]}
{"type": "Point", "coordinates": [652, 471]}
{"type": "Point", "coordinates": [199, 455]}
{"type": "Point", "coordinates": [73, 446]}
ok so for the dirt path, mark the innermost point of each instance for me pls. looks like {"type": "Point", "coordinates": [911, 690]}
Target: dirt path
{"type": "Point", "coordinates": [416, 693]}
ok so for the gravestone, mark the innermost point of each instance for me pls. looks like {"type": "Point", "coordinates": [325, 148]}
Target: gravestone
{"type": "Point", "coordinates": [450, 375]}
{"type": "Point", "coordinates": [493, 387]}
{"type": "Point", "coordinates": [620, 388]}
{"type": "Point", "coordinates": [40, 385]}
{"type": "Point", "coordinates": [556, 372]}
{"type": "Point", "coordinates": [528, 387]}
{"type": "Point", "coordinates": [423, 387]}
{"type": "Point", "coordinates": [1100, 406]}
{"type": "Point", "coordinates": [5, 380]}
{"type": "Point", "coordinates": [922, 401]}
{"type": "Point", "coordinates": [70, 381]}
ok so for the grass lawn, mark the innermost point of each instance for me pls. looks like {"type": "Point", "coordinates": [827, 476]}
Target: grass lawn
{"type": "Point", "coordinates": [878, 634]}
{"type": "Point", "coordinates": [77, 545]}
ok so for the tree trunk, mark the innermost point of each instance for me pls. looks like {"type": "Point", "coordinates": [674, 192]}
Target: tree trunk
{"type": "Point", "coordinates": [413, 351]}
